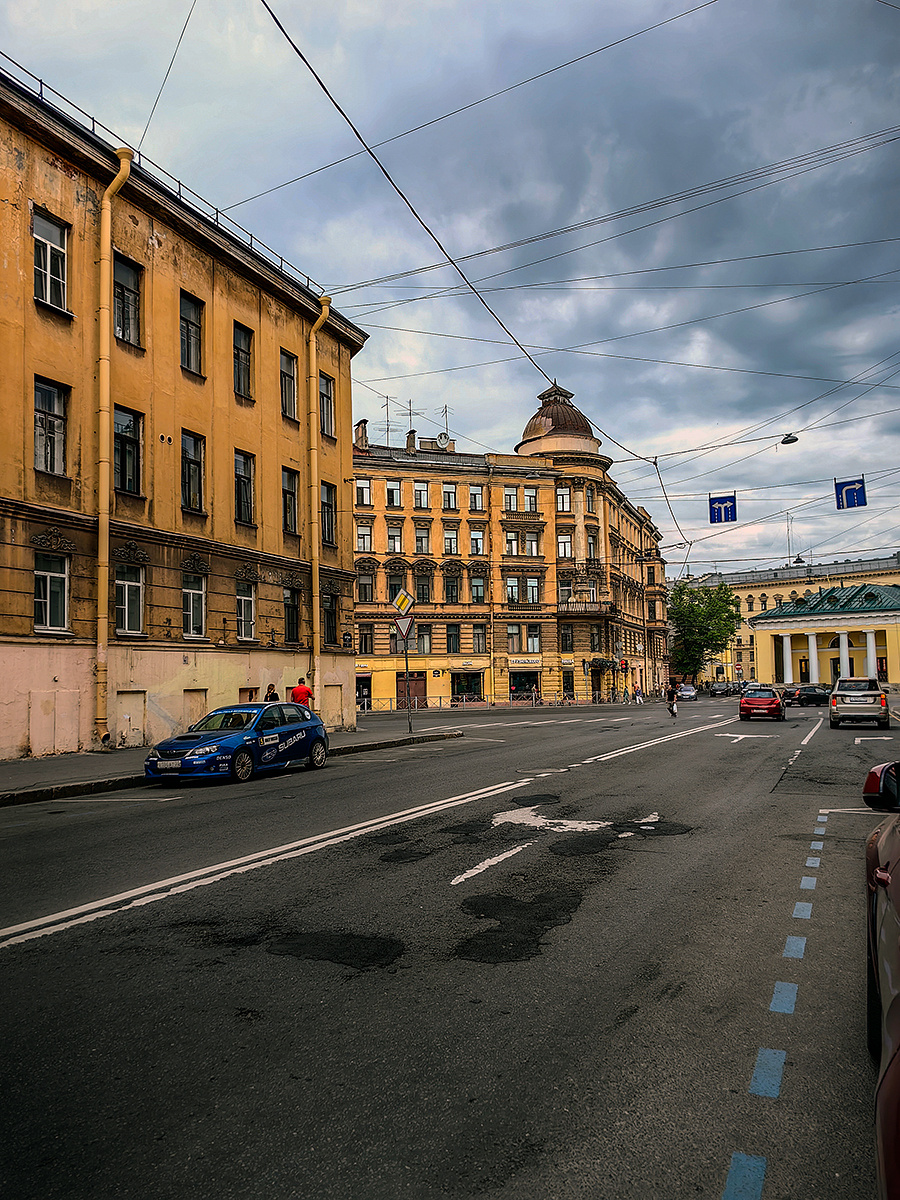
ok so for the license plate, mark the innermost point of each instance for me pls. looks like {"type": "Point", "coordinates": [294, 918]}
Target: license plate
{"type": "Point", "coordinates": [169, 765]}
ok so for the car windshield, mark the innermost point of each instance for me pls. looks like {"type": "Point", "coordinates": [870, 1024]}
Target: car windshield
{"type": "Point", "coordinates": [227, 719]}
{"type": "Point", "coordinates": [858, 685]}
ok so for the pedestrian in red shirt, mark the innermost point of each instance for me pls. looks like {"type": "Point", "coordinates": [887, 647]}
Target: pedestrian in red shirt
{"type": "Point", "coordinates": [301, 694]}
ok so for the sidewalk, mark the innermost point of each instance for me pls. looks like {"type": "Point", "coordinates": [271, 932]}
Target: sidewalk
{"type": "Point", "coordinates": [33, 780]}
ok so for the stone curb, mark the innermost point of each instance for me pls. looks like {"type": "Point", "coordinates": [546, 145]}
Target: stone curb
{"type": "Point", "coordinates": [89, 787]}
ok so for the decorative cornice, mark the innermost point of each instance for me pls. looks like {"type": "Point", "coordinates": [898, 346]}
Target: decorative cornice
{"type": "Point", "coordinates": [52, 539]}
{"type": "Point", "coordinates": [248, 573]}
{"type": "Point", "coordinates": [366, 564]}
{"type": "Point", "coordinates": [195, 563]}
{"type": "Point", "coordinates": [452, 568]}
{"type": "Point", "coordinates": [424, 567]}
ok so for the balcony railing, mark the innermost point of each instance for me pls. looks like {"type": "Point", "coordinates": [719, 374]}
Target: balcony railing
{"type": "Point", "coordinates": [601, 608]}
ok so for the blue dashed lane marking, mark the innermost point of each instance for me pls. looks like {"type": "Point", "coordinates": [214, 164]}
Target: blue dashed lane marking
{"type": "Point", "coordinates": [808, 882]}
{"type": "Point", "coordinates": [814, 861]}
{"type": "Point", "coordinates": [745, 1177]}
{"type": "Point", "coordinates": [784, 998]}
{"type": "Point", "coordinates": [817, 845]}
{"type": "Point", "coordinates": [794, 947]}
{"type": "Point", "coordinates": [820, 829]}
{"type": "Point", "coordinates": [802, 910]}
{"type": "Point", "coordinates": [767, 1073]}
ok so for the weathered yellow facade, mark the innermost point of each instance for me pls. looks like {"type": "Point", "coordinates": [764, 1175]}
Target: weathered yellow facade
{"type": "Point", "coordinates": [534, 577]}
{"type": "Point", "coordinates": [228, 467]}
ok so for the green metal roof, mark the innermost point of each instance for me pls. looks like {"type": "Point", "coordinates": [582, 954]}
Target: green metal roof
{"type": "Point", "coordinates": [837, 601]}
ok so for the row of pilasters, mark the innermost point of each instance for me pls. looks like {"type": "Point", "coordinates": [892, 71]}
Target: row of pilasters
{"type": "Point", "coordinates": [813, 655]}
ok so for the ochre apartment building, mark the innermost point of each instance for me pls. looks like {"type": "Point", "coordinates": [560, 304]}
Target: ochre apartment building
{"type": "Point", "coordinates": [534, 578]}
{"type": "Point", "coordinates": [175, 485]}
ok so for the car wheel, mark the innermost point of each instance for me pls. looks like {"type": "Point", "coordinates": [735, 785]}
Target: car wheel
{"type": "Point", "coordinates": [242, 766]}
{"type": "Point", "coordinates": [745, 717]}
{"type": "Point", "coordinates": [833, 723]}
{"type": "Point", "coordinates": [318, 754]}
{"type": "Point", "coordinates": [885, 724]}
{"type": "Point", "coordinates": [873, 1011]}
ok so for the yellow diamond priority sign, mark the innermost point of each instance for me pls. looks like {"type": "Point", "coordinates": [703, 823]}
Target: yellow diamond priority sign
{"type": "Point", "coordinates": [403, 602]}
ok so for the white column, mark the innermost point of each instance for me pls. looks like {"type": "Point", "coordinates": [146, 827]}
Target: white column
{"type": "Point", "coordinates": [786, 657]}
{"type": "Point", "coordinates": [813, 658]}
{"type": "Point", "coordinates": [844, 640]}
{"type": "Point", "coordinates": [871, 658]}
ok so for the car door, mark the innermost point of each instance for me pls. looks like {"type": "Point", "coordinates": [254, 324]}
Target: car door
{"type": "Point", "coordinates": [268, 729]}
{"type": "Point", "coordinates": [295, 733]}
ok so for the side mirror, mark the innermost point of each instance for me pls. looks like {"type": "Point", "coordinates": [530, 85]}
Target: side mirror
{"type": "Point", "coordinates": [880, 791]}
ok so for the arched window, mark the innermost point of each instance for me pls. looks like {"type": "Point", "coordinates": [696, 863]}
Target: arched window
{"type": "Point", "coordinates": [749, 604]}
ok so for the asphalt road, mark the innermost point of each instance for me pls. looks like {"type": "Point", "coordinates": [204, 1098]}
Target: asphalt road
{"type": "Point", "coordinates": [569, 955]}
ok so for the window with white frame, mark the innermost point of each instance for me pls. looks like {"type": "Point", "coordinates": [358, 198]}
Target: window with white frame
{"type": "Point", "coordinates": [127, 300]}
{"type": "Point", "coordinates": [366, 644]}
{"type": "Point", "coordinates": [393, 493]}
{"type": "Point", "coordinates": [365, 588]}
{"type": "Point", "coordinates": [423, 589]}
{"type": "Point", "coordinates": [450, 495]}
{"type": "Point", "coordinates": [395, 585]}
{"type": "Point", "coordinates": [533, 639]}
{"type": "Point", "coordinates": [510, 499]}
{"type": "Point", "coordinates": [51, 591]}
{"type": "Point", "coordinates": [477, 589]}
{"type": "Point", "coordinates": [364, 538]}
{"type": "Point", "coordinates": [246, 611]}
{"type": "Point", "coordinates": [592, 545]}
{"type": "Point", "coordinates": [451, 589]}
{"type": "Point", "coordinates": [476, 497]}
{"type": "Point", "coordinates": [193, 605]}
{"type": "Point", "coordinates": [596, 639]}
{"type": "Point", "coordinates": [533, 589]}
{"type": "Point", "coordinates": [243, 487]}
{"type": "Point", "coordinates": [563, 499]}
{"type": "Point", "coordinates": [566, 639]}
{"type": "Point", "coordinates": [289, 487]}
{"type": "Point", "coordinates": [420, 494]}
{"type": "Point", "coordinates": [514, 639]}
{"type": "Point", "coordinates": [50, 401]}
{"type": "Point", "coordinates": [50, 265]}
{"type": "Point", "coordinates": [589, 498]}
{"type": "Point", "coordinates": [423, 540]}
{"type": "Point", "coordinates": [451, 541]}
{"type": "Point", "coordinates": [327, 416]}
{"type": "Point", "coordinates": [127, 431]}
{"type": "Point", "coordinates": [476, 541]}
{"type": "Point", "coordinates": [564, 545]}
{"type": "Point", "coordinates": [479, 639]}
{"type": "Point", "coordinates": [453, 639]}
{"type": "Point", "coordinates": [364, 492]}
{"type": "Point", "coordinates": [532, 544]}
{"type": "Point", "coordinates": [531, 499]}
{"type": "Point", "coordinates": [129, 599]}
{"type": "Point", "coordinates": [289, 384]}
{"type": "Point", "coordinates": [423, 639]}
{"type": "Point", "coordinates": [564, 590]}
{"type": "Point", "coordinates": [395, 539]}
{"type": "Point", "coordinates": [512, 542]}
{"type": "Point", "coordinates": [512, 589]}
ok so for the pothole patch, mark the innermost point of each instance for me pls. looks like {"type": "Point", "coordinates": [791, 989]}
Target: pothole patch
{"type": "Point", "coordinates": [345, 949]}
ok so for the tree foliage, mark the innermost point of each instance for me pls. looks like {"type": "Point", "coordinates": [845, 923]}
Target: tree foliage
{"type": "Point", "coordinates": [703, 620]}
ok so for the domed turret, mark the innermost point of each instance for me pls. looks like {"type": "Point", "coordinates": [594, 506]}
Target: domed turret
{"type": "Point", "coordinates": [558, 427]}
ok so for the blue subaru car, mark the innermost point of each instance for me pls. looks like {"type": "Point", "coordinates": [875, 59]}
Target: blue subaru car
{"type": "Point", "coordinates": [240, 740]}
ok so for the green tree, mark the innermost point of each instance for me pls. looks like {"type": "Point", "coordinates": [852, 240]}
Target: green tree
{"type": "Point", "coordinates": [703, 620]}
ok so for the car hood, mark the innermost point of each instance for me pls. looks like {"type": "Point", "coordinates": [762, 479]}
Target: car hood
{"type": "Point", "coordinates": [184, 741]}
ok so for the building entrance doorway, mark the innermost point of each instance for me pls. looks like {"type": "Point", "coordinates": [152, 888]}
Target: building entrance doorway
{"type": "Point", "coordinates": [524, 686]}
{"type": "Point", "coordinates": [417, 692]}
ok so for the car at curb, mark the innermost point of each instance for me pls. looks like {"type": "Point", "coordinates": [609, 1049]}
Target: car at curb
{"type": "Point", "coordinates": [239, 740]}
{"type": "Point", "coordinates": [858, 698]}
{"type": "Point", "coordinates": [761, 702]}
{"type": "Point", "coordinates": [880, 792]}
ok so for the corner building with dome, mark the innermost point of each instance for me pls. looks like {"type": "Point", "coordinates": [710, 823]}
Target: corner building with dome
{"type": "Point", "coordinates": [534, 578]}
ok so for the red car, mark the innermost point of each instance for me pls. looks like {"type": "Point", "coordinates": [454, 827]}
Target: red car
{"type": "Point", "coordinates": [761, 702]}
{"type": "Point", "coordinates": [880, 792]}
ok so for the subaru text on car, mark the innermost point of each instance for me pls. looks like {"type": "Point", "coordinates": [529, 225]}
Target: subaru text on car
{"type": "Point", "coordinates": [240, 740]}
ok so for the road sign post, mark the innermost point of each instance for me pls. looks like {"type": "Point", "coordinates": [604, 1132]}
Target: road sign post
{"type": "Point", "coordinates": [404, 602]}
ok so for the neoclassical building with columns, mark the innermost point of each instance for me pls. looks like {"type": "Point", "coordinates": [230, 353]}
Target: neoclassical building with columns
{"type": "Point", "coordinates": [834, 632]}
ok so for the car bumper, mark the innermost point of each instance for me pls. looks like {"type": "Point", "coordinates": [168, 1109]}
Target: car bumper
{"type": "Point", "coordinates": [187, 768]}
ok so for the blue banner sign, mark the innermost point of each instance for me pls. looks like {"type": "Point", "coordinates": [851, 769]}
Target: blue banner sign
{"type": "Point", "coordinates": [850, 493]}
{"type": "Point", "coordinates": [722, 508]}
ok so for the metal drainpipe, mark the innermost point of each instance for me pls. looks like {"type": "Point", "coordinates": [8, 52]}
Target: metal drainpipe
{"type": "Point", "coordinates": [314, 498]}
{"type": "Point", "coordinates": [104, 447]}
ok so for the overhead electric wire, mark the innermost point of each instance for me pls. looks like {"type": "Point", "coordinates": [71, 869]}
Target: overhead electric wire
{"type": "Point", "coordinates": [472, 104]}
{"type": "Point", "coordinates": [384, 171]}
{"type": "Point", "coordinates": [165, 80]}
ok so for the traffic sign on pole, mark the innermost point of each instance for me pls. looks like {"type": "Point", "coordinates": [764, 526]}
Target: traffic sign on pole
{"type": "Point", "coordinates": [404, 626]}
{"type": "Point", "coordinates": [403, 601]}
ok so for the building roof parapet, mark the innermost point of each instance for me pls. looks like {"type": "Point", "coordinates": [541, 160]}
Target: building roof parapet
{"type": "Point", "coordinates": [835, 602]}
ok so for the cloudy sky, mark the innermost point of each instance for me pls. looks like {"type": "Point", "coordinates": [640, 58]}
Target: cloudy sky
{"type": "Point", "coordinates": [685, 214]}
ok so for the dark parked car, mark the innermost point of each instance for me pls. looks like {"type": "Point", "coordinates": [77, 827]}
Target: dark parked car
{"type": "Point", "coordinates": [859, 699]}
{"type": "Point", "coordinates": [761, 702]}
{"type": "Point", "coordinates": [239, 740]}
{"type": "Point", "coordinates": [720, 689]}
{"type": "Point", "coordinates": [789, 694]}
{"type": "Point", "coordinates": [812, 693]}
{"type": "Point", "coordinates": [880, 792]}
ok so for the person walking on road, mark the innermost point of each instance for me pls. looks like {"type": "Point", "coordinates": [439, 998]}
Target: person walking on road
{"type": "Point", "coordinates": [638, 696]}
{"type": "Point", "coordinates": [301, 694]}
{"type": "Point", "coordinates": [671, 695]}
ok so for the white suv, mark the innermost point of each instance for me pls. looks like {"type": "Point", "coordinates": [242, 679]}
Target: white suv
{"type": "Point", "coordinates": [859, 699]}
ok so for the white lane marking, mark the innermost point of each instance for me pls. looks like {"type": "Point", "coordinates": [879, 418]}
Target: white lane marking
{"type": "Point", "coordinates": [529, 816]}
{"type": "Point", "coordinates": [815, 728]}
{"type": "Point", "coordinates": [107, 799]}
{"type": "Point", "coordinates": [660, 741]}
{"type": "Point", "coordinates": [867, 811]}
{"type": "Point", "coordinates": [742, 737]}
{"type": "Point", "coordinates": [54, 922]}
{"type": "Point", "coordinates": [488, 862]}
{"type": "Point", "coordinates": [858, 741]}
{"type": "Point", "coordinates": [499, 741]}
